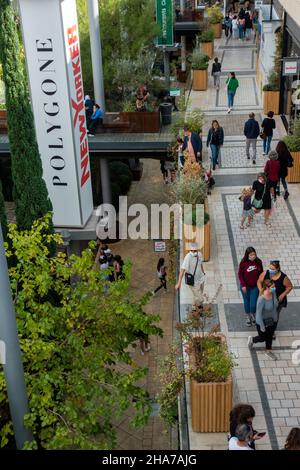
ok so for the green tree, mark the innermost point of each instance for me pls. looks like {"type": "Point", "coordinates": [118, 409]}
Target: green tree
{"type": "Point", "coordinates": [3, 219]}
{"type": "Point", "coordinates": [127, 27]}
{"type": "Point", "coordinates": [29, 191]}
{"type": "Point", "coordinates": [75, 340]}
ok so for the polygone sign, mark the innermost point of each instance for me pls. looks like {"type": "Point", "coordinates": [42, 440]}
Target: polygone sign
{"type": "Point", "coordinates": [50, 32]}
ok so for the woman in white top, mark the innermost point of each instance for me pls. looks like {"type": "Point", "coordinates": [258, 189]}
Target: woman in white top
{"type": "Point", "coordinates": [235, 27]}
{"type": "Point", "coordinates": [244, 435]}
{"type": "Point", "coordinates": [192, 264]}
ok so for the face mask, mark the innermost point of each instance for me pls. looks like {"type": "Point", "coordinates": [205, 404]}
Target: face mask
{"type": "Point", "coordinates": [272, 272]}
{"type": "Point", "coordinates": [252, 258]}
{"type": "Point", "coordinates": [194, 253]}
{"type": "Point", "coordinates": [261, 181]}
{"type": "Point", "coordinates": [273, 290]}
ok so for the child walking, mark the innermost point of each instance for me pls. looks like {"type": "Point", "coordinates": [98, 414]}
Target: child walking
{"type": "Point", "coordinates": [248, 212]}
{"type": "Point", "coordinates": [161, 274]}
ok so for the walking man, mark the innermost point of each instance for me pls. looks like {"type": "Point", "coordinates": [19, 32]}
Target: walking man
{"type": "Point", "coordinates": [251, 131]}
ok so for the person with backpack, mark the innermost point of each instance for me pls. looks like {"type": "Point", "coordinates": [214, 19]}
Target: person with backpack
{"type": "Point", "coordinates": [161, 274]}
{"type": "Point", "coordinates": [216, 73]}
{"type": "Point", "coordinates": [286, 161]}
{"type": "Point", "coordinates": [272, 170]}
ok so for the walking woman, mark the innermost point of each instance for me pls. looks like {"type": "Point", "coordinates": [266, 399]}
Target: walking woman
{"type": "Point", "coordinates": [266, 317]}
{"type": "Point", "coordinates": [215, 140]}
{"type": "Point", "coordinates": [286, 161]}
{"type": "Point", "coordinates": [232, 85]}
{"type": "Point", "coordinates": [262, 196]}
{"type": "Point", "coordinates": [216, 73]}
{"type": "Point", "coordinates": [249, 271]}
{"type": "Point", "coordinates": [268, 125]}
{"type": "Point", "coordinates": [281, 281]}
{"type": "Point", "coordinates": [161, 274]}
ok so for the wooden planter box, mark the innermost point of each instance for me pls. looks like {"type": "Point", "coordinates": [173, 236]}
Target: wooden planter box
{"type": "Point", "coordinates": [207, 48]}
{"type": "Point", "coordinates": [200, 80]}
{"type": "Point", "coordinates": [211, 404]}
{"type": "Point", "coordinates": [181, 75]}
{"type": "Point", "coordinates": [271, 101]}
{"type": "Point", "coordinates": [294, 172]}
{"type": "Point", "coordinates": [201, 237]}
{"type": "Point", "coordinates": [3, 121]}
{"type": "Point", "coordinates": [217, 29]}
{"type": "Point", "coordinates": [148, 122]}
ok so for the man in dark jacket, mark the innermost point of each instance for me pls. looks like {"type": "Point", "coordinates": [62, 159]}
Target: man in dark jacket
{"type": "Point", "coordinates": [192, 143]}
{"type": "Point", "coordinates": [251, 131]}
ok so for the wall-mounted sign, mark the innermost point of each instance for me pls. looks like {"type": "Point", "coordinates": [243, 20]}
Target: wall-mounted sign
{"type": "Point", "coordinates": [164, 18]}
{"type": "Point", "coordinates": [175, 92]}
{"type": "Point", "coordinates": [290, 67]}
{"type": "Point", "coordinates": [51, 39]}
{"type": "Point", "coordinates": [159, 246]}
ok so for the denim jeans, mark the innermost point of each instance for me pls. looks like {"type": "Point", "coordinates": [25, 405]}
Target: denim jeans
{"type": "Point", "coordinates": [230, 95]}
{"type": "Point", "coordinates": [250, 299]}
{"type": "Point", "coordinates": [241, 32]}
{"type": "Point", "coordinates": [267, 144]}
{"type": "Point", "coordinates": [215, 150]}
{"type": "Point", "coordinates": [284, 184]}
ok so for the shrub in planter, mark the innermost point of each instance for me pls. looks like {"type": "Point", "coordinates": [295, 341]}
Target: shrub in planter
{"type": "Point", "coordinates": [207, 35]}
{"type": "Point", "coordinates": [124, 182]}
{"type": "Point", "coordinates": [199, 60]}
{"type": "Point", "coordinates": [193, 119]}
{"type": "Point", "coordinates": [120, 168]}
{"type": "Point", "coordinates": [215, 14]}
{"type": "Point", "coordinates": [293, 144]}
{"type": "Point", "coordinates": [199, 65]}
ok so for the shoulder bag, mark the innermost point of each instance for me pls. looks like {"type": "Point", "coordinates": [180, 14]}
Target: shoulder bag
{"type": "Point", "coordinates": [269, 321]}
{"type": "Point", "coordinates": [257, 203]}
{"type": "Point", "coordinates": [190, 278]}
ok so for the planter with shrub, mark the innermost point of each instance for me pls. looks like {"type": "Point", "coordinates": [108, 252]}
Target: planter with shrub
{"type": "Point", "coordinates": [271, 93]}
{"type": "Point", "coordinates": [293, 144]}
{"type": "Point", "coordinates": [215, 18]}
{"type": "Point", "coordinates": [200, 75]}
{"type": "Point", "coordinates": [207, 42]}
{"type": "Point", "coordinates": [208, 365]}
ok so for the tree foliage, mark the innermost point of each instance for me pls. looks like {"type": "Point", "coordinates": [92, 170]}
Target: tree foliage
{"type": "Point", "coordinates": [29, 191]}
{"type": "Point", "coordinates": [74, 338]}
{"type": "Point", "coordinates": [127, 28]}
{"type": "Point", "coordinates": [3, 219]}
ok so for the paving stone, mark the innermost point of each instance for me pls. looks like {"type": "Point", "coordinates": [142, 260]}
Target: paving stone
{"type": "Point", "coordinates": [283, 412]}
{"type": "Point", "coordinates": [278, 395]}
{"type": "Point", "coordinates": [295, 412]}
{"type": "Point", "coordinates": [292, 421]}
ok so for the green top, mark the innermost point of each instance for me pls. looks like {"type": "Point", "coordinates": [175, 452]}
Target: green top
{"type": "Point", "coordinates": [232, 83]}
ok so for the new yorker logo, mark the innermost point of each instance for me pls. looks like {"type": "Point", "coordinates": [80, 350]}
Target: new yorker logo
{"type": "Point", "coordinates": [78, 104]}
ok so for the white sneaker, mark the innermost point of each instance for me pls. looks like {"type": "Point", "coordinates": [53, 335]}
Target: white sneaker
{"type": "Point", "coordinates": [264, 153]}
{"type": "Point", "coordinates": [152, 292]}
{"type": "Point", "coordinates": [142, 353]}
{"type": "Point", "coordinates": [90, 135]}
{"type": "Point", "coordinates": [250, 342]}
{"type": "Point", "coordinates": [228, 111]}
{"type": "Point", "coordinates": [148, 349]}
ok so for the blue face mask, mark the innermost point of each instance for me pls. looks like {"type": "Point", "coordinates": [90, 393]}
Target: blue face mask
{"type": "Point", "coordinates": [273, 290]}
{"type": "Point", "coordinates": [272, 272]}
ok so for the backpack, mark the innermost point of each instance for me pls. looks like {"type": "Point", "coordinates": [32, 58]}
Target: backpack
{"type": "Point", "coordinates": [290, 161]}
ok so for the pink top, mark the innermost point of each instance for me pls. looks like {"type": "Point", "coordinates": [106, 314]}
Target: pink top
{"type": "Point", "coordinates": [190, 147]}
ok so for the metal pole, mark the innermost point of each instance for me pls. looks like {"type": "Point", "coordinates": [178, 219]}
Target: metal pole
{"type": "Point", "coordinates": [271, 11]}
{"type": "Point", "coordinates": [167, 67]}
{"type": "Point", "coordinates": [13, 367]}
{"type": "Point", "coordinates": [183, 53]}
{"type": "Point", "coordinates": [96, 53]}
{"type": "Point", "coordinates": [105, 181]}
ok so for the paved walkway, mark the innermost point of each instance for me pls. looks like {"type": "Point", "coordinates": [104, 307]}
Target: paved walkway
{"type": "Point", "coordinates": [149, 190]}
{"type": "Point", "coordinates": [273, 388]}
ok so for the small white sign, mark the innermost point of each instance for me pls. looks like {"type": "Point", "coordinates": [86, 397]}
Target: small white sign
{"type": "Point", "coordinates": [159, 246]}
{"type": "Point", "coordinates": [290, 67]}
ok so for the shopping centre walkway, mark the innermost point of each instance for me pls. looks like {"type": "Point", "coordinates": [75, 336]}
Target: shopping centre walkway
{"type": "Point", "coordinates": [272, 387]}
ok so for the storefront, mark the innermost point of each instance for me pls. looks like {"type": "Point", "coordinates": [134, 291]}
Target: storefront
{"type": "Point", "coordinates": [290, 85]}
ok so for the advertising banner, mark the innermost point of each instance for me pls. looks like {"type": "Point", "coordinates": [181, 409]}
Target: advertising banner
{"type": "Point", "coordinates": [50, 34]}
{"type": "Point", "coordinates": [164, 18]}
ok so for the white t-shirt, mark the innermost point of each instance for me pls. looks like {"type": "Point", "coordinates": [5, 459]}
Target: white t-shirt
{"type": "Point", "coordinates": [189, 264]}
{"type": "Point", "coordinates": [235, 24]}
{"type": "Point", "coordinates": [234, 446]}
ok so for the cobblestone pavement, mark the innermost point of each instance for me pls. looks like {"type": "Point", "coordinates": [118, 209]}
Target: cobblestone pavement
{"type": "Point", "coordinates": [272, 387]}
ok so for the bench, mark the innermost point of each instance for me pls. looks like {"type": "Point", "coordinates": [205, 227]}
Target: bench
{"type": "Point", "coordinates": [113, 122]}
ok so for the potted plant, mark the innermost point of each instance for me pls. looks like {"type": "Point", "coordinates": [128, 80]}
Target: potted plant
{"type": "Point", "coordinates": [271, 90]}
{"type": "Point", "coordinates": [208, 365]}
{"type": "Point", "coordinates": [199, 65]}
{"type": "Point", "coordinates": [271, 93]}
{"type": "Point", "coordinates": [215, 18]}
{"type": "Point", "coordinates": [206, 39]}
{"type": "Point", "coordinates": [293, 144]}
{"type": "Point", "coordinates": [193, 119]}
{"type": "Point", "coordinates": [190, 188]}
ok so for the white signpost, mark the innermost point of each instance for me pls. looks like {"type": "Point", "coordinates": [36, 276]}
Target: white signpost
{"type": "Point", "coordinates": [51, 39]}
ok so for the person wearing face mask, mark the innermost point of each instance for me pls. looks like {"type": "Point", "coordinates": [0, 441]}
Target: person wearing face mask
{"type": "Point", "coordinates": [192, 264]}
{"type": "Point", "coordinates": [281, 281]}
{"type": "Point", "coordinates": [266, 317]}
{"type": "Point", "coordinates": [249, 271]}
{"type": "Point", "coordinates": [262, 196]}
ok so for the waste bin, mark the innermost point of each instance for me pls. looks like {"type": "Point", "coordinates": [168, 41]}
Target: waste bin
{"type": "Point", "coordinates": [166, 113]}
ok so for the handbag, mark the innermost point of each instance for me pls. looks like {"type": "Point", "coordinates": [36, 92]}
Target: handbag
{"type": "Point", "coordinates": [262, 135]}
{"type": "Point", "coordinates": [190, 278]}
{"type": "Point", "coordinates": [258, 203]}
{"type": "Point", "coordinates": [290, 161]}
